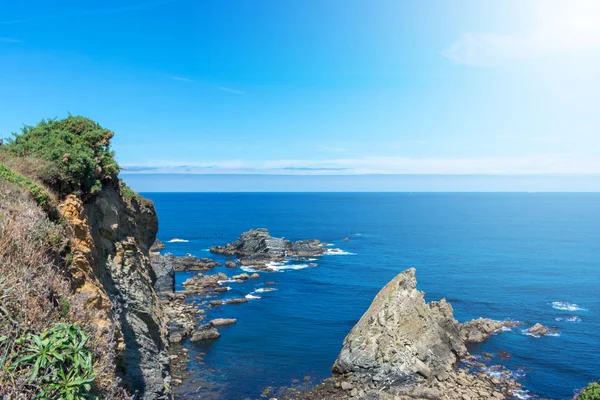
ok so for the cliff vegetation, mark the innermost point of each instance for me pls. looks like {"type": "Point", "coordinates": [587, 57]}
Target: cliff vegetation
{"type": "Point", "coordinates": [78, 316]}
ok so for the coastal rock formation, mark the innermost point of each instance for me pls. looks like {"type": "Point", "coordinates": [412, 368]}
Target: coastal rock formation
{"type": "Point", "coordinates": [191, 263]}
{"type": "Point", "coordinates": [540, 330]}
{"type": "Point", "coordinates": [223, 321]}
{"type": "Point", "coordinates": [122, 231]}
{"type": "Point", "coordinates": [158, 245]}
{"type": "Point", "coordinates": [165, 274]}
{"type": "Point", "coordinates": [401, 339]}
{"type": "Point", "coordinates": [479, 330]}
{"type": "Point", "coordinates": [257, 247]}
{"type": "Point", "coordinates": [404, 348]}
{"type": "Point", "coordinates": [182, 317]}
{"type": "Point", "coordinates": [201, 283]}
{"type": "Point", "coordinates": [204, 332]}
{"type": "Point", "coordinates": [230, 264]}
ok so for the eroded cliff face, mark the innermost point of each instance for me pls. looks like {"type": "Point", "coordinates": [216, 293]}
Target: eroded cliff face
{"type": "Point", "coordinates": [111, 270]}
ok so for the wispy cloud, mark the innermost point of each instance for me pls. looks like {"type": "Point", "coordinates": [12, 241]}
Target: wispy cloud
{"type": "Point", "coordinates": [229, 90]}
{"type": "Point", "coordinates": [9, 40]}
{"type": "Point", "coordinates": [523, 165]}
{"type": "Point", "coordinates": [180, 78]}
{"type": "Point", "coordinates": [97, 11]}
{"type": "Point", "coordinates": [561, 26]}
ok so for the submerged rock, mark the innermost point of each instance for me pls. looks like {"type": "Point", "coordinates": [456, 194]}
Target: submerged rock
{"type": "Point", "coordinates": [401, 339]}
{"type": "Point", "coordinates": [204, 332]}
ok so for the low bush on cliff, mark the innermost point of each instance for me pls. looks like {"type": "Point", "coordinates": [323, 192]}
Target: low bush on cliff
{"type": "Point", "coordinates": [75, 154]}
{"type": "Point", "coordinates": [592, 392]}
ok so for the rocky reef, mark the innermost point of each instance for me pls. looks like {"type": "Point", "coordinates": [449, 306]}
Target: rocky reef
{"type": "Point", "coordinates": [258, 248]}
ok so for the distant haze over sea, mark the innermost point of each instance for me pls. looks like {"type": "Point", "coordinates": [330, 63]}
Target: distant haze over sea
{"type": "Point", "coordinates": [360, 183]}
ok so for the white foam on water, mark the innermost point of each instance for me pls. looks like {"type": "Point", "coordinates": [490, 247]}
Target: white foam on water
{"type": "Point", "coordinates": [279, 267]}
{"type": "Point", "coordinates": [175, 240]}
{"type": "Point", "coordinates": [572, 318]}
{"type": "Point", "coordinates": [252, 297]}
{"type": "Point", "coordinates": [525, 332]}
{"type": "Point", "coordinates": [226, 281]}
{"type": "Point", "coordinates": [338, 252]}
{"type": "Point", "coordinates": [566, 306]}
{"type": "Point", "coordinates": [248, 268]}
{"type": "Point", "coordinates": [263, 290]}
{"type": "Point", "coordinates": [521, 394]}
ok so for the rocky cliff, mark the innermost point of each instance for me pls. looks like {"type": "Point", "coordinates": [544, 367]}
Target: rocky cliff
{"type": "Point", "coordinates": [111, 235]}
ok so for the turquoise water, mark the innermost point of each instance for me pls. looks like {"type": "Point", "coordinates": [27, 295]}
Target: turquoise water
{"type": "Point", "coordinates": [493, 255]}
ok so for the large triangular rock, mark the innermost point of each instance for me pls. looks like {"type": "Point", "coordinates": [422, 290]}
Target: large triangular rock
{"type": "Point", "coordinates": [401, 339]}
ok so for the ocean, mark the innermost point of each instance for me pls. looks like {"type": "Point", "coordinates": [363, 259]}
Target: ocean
{"type": "Point", "coordinates": [531, 257]}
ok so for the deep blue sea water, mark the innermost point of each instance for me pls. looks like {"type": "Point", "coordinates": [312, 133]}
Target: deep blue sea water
{"type": "Point", "coordinates": [492, 255]}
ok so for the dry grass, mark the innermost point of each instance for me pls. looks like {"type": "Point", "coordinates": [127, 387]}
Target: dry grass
{"type": "Point", "coordinates": [35, 293]}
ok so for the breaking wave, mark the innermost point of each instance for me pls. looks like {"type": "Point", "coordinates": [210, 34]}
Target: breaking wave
{"type": "Point", "coordinates": [338, 252]}
{"type": "Point", "coordinates": [566, 306]}
{"type": "Point", "coordinates": [176, 240]}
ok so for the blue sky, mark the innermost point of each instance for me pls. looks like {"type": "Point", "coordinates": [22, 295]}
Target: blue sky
{"type": "Point", "coordinates": [315, 87]}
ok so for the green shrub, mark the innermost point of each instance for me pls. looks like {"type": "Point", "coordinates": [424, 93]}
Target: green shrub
{"type": "Point", "coordinates": [57, 362]}
{"type": "Point", "coordinates": [77, 147]}
{"type": "Point", "coordinates": [592, 392]}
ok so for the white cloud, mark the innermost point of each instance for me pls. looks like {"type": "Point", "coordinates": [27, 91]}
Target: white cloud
{"type": "Point", "coordinates": [561, 26]}
{"type": "Point", "coordinates": [526, 165]}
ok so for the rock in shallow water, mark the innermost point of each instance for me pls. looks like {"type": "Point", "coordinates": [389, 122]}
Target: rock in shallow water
{"type": "Point", "coordinates": [540, 330]}
{"type": "Point", "coordinates": [223, 321]}
{"type": "Point", "coordinates": [401, 339]}
{"type": "Point", "coordinates": [204, 332]}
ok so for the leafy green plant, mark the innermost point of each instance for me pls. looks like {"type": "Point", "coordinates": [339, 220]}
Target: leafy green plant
{"type": "Point", "coordinates": [592, 392]}
{"type": "Point", "coordinates": [58, 362]}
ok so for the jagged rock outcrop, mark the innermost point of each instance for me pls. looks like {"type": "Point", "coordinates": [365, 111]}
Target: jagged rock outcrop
{"type": "Point", "coordinates": [158, 245]}
{"type": "Point", "coordinates": [121, 232]}
{"type": "Point", "coordinates": [480, 329]}
{"type": "Point", "coordinates": [201, 284]}
{"type": "Point", "coordinates": [204, 332]}
{"type": "Point", "coordinates": [188, 262]}
{"type": "Point", "coordinates": [404, 348]}
{"type": "Point", "coordinates": [165, 274]}
{"type": "Point", "coordinates": [257, 247]}
{"type": "Point", "coordinates": [401, 339]}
